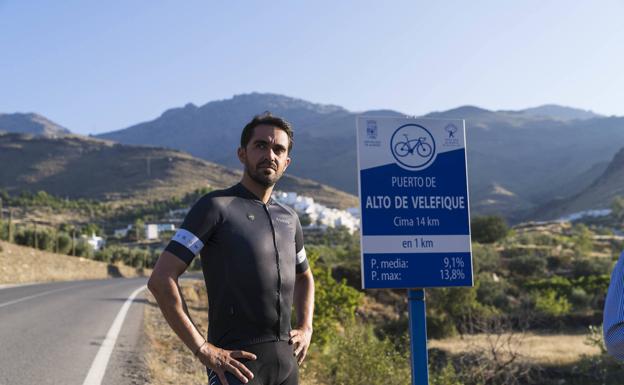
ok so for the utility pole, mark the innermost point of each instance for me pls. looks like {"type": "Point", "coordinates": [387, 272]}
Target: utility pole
{"type": "Point", "coordinates": [10, 238]}
{"type": "Point", "coordinates": [73, 242]}
{"type": "Point", "coordinates": [55, 240]}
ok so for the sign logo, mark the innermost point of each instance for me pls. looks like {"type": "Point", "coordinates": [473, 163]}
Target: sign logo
{"type": "Point", "coordinates": [451, 140]}
{"type": "Point", "coordinates": [371, 129]}
{"type": "Point", "coordinates": [412, 146]}
{"type": "Point", "coordinates": [451, 129]}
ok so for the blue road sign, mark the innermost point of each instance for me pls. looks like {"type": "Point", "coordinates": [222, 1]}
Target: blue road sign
{"type": "Point", "coordinates": [414, 203]}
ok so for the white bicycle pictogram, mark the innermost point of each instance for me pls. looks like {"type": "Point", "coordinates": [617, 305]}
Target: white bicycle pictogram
{"type": "Point", "coordinates": [403, 149]}
{"type": "Point", "coordinates": [412, 146]}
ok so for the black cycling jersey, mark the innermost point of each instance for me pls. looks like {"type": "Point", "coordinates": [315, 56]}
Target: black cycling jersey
{"type": "Point", "coordinates": [250, 253]}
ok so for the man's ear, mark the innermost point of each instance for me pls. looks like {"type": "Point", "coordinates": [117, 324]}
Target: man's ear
{"type": "Point", "coordinates": [242, 155]}
{"type": "Point", "coordinates": [287, 163]}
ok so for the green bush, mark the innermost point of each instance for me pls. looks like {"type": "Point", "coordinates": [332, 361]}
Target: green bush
{"type": "Point", "coordinates": [334, 302]}
{"type": "Point", "coordinates": [455, 309]}
{"type": "Point", "coordinates": [582, 239]}
{"type": "Point", "coordinates": [548, 302]}
{"type": "Point", "coordinates": [485, 258]}
{"type": "Point", "coordinates": [580, 299]}
{"type": "Point", "coordinates": [445, 376]}
{"type": "Point", "coordinates": [63, 243]}
{"type": "Point", "coordinates": [41, 239]}
{"type": "Point", "coordinates": [83, 249]}
{"type": "Point", "coordinates": [585, 266]}
{"type": "Point", "coordinates": [488, 229]}
{"type": "Point", "coordinates": [358, 357]}
{"type": "Point", "coordinates": [490, 292]}
{"type": "Point", "coordinates": [527, 265]}
{"type": "Point", "coordinates": [439, 325]}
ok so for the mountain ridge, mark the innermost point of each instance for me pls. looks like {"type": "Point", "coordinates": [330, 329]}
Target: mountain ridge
{"type": "Point", "coordinates": [30, 123]}
{"type": "Point", "coordinates": [533, 156]}
{"type": "Point", "coordinates": [81, 167]}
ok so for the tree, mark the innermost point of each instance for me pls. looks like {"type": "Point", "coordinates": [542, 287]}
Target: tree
{"type": "Point", "coordinates": [139, 226]}
{"type": "Point", "coordinates": [488, 229]}
{"type": "Point", "coordinates": [617, 208]}
{"type": "Point", "coordinates": [334, 302]}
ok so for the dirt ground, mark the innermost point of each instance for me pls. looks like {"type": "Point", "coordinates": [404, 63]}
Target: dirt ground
{"type": "Point", "coordinates": [543, 349]}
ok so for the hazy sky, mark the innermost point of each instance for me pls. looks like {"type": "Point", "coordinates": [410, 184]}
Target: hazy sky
{"type": "Point", "coordinates": [96, 66]}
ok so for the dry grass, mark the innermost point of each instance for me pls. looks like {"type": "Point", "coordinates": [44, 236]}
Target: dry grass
{"type": "Point", "coordinates": [169, 360]}
{"type": "Point", "coordinates": [555, 349]}
{"type": "Point", "coordinates": [19, 264]}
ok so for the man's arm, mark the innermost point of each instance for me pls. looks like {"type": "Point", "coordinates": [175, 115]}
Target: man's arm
{"type": "Point", "coordinates": [303, 301]}
{"type": "Point", "coordinates": [163, 284]}
{"type": "Point", "coordinates": [613, 323]}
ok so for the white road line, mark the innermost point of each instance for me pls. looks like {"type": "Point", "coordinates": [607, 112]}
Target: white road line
{"type": "Point", "coordinates": [36, 295]}
{"type": "Point", "coordinates": [98, 367]}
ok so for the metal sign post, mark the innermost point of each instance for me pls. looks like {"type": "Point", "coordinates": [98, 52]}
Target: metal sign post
{"type": "Point", "coordinates": [418, 336]}
{"type": "Point", "coordinates": [415, 230]}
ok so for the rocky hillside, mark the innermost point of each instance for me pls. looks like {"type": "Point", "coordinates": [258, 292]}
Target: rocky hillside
{"type": "Point", "coordinates": [598, 195]}
{"type": "Point", "coordinates": [80, 167]}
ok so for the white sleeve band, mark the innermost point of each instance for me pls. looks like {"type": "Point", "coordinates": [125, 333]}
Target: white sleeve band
{"type": "Point", "coordinates": [301, 256]}
{"type": "Point", "coordinates": [188, 240]}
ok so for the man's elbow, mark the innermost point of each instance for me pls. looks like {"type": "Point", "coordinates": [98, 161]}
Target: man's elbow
{"type": "Point", "coordinates": [152, 284]}
{"type": "Point", "coordinates": [156, 283]}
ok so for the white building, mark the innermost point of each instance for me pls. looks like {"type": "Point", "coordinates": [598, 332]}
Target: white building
{"type": "Point", "coordinates": [97, 243]}
{"type": "Point", "coordinates": [166, 227]}
{"type": "Point", "coordinates": [318, 214]}
{"type": "Point", "coordinates": [151, 231]}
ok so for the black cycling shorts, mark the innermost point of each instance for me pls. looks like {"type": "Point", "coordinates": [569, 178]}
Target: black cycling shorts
{"type": "Point", "coordinates": [275, 364]}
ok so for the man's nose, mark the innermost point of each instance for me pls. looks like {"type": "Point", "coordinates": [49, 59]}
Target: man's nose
{"type": "Point", "coordinates": [272, 155]}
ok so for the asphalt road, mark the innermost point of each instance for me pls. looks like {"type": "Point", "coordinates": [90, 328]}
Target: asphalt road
{"type": "Point", "coordinates": [51, 333]}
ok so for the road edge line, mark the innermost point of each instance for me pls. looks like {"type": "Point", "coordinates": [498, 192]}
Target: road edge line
{"type": "Point", "coordinates": [100, 362]}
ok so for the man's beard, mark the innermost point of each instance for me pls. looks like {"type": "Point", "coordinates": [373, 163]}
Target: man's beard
{"type": "Point", "coordinates": [260, 177]}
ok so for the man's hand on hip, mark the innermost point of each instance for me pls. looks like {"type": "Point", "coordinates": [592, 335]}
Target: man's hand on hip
{"type": "Point", "coordinates": [222, 360]}
{"type": "Point", "coordinates": [300, 339]}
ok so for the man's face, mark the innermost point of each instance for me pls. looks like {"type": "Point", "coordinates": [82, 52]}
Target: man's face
{"type": "Point", "coordinates": [266, 155]}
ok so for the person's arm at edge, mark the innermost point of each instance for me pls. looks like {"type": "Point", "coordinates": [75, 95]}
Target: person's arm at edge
{"type": "Point", "coordinates": [163, 284]}
{"type": "Point", "coordinates": [613, 322]}
{"type": "Point", "coordinates": [303, 301]}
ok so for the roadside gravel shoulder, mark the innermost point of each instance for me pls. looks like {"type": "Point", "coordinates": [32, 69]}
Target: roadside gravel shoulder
{"type": "Point", "coordinates": [169, 361]}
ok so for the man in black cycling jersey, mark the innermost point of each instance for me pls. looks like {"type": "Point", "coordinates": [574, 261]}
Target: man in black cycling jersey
{"type": "Point", "coordinates": [255, 269]}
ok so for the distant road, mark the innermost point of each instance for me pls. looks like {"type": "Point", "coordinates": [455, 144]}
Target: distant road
{"type": "Point", "coordinates": [51, 333]}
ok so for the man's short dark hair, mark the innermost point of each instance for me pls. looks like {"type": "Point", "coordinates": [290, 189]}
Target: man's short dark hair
{"type": "Point", "coordinates": [269, 120]}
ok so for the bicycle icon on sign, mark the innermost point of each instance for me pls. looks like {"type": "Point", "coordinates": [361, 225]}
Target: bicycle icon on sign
{"type": "Point", "coordinates": [406, 148]}
{"type": "Point", "coordinates": [412, 146]}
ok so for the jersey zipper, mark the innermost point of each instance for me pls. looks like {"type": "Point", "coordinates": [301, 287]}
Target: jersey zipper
{"type": "Point", "coordinates": [279, 277]}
